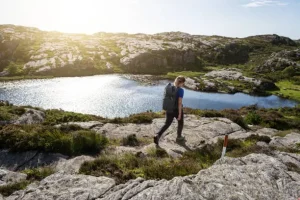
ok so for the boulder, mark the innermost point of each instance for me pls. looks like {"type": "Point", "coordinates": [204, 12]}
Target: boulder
{"type": "Point", "coordinates": [73, 165]}
{"type": "Point", "coordinates": [30, 159]}
{"type": "Point", "coordinates": [1, 197]}
{"type": "Point", "coordinates": [9, 177]}
{"type": "Point", "coordinates": [31, 116]}
{"type": "Point", "coordinates": [256, 176]}
{"type": "Point", "coordinates": [291, 140]}
{"type": "Point", "coordinates": [191, 84]}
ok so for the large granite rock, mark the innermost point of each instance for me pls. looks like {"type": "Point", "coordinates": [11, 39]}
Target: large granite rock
{"type": "Point", "coordinates": [9, 177]}
{"type": "Point", "coordinates": [30, 159]}
{"type": "Point", "coordinates": [65, 186]}
{"type": "Point", "coordinates": [291, 140]}
{"type": "Point", "coordinates": [31, 116]}
{"type": "Point", "coordinates": [256, 176]}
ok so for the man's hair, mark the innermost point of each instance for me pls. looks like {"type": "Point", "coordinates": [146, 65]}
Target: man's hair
{"type": "Point", "coordinates": [180, 79]}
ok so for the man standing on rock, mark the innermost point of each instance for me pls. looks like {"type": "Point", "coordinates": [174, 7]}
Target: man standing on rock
{"type": "Point", "coordinates": [172, 104]}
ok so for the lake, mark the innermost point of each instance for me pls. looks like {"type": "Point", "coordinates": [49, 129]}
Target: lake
{"type": "Point", "coordinates": [114, 96]}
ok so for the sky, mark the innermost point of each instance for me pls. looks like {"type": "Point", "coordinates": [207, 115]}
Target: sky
{"type": "Point", "coordinates": [233, 18]}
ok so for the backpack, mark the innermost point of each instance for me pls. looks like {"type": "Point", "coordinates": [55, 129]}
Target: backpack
{"type": "Point", "coordinates": [170, 100]}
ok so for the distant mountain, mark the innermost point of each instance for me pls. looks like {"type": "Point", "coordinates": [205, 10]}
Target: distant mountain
{"type": "Point", "coordinates": [25, 50]}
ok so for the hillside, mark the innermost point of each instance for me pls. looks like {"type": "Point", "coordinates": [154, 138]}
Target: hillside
{"type": "Point", "coordinates": [254, 63]}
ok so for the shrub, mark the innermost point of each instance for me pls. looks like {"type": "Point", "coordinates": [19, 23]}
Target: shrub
{"type": "Point", "coordinates": [234, 116]}
{"type": "Point", "coordinates": [253, 118]}
{"type": "Point", "coordinates": [130, 140]}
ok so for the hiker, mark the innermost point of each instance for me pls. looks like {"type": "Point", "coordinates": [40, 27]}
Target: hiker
{"type": "Point", "coordinates": [172, 104]}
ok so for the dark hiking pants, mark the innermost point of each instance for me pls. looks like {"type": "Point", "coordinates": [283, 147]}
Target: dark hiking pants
{"type": "Point", "coordinates": [169, 120]}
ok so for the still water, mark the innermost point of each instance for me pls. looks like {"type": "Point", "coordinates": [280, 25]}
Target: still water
{"type": "Point", "coordinates": [114, 96]}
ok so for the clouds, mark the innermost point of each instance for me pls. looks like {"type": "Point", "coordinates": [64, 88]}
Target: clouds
{"type": "Point", "coordinates": [260, 3]}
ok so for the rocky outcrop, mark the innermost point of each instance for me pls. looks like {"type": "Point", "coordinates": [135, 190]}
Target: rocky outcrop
{"type": "Point", "coordinates": [30, 159]}
{"type": "Point", "coordinates": [280, 60]}
{"type": "Point", "coordinates": [9, 177]}
{"type": "Point", "coordinates": [256, 176]}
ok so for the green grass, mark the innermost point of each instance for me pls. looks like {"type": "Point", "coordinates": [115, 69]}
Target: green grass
{"type": "Point", "coordinates": [140, 118]}
{"type": "Point", "coordinates": [55, 116]}
{"type": "Point", "coordinates": [287, 89]}
{"type": "Point", "coordinates": [20, 138]}
{"type": "Point", "coordinates": [11, 188]}
{"type": "Point", "coordinates": [283, 133]}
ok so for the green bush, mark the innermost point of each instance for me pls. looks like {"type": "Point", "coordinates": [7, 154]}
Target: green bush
{"type": "Point", "coordinates": [253, 118]}
{"type": "Point", "coordinates": [70, 127]}
{"type": "Point", "coordinates": [86, 141]}
{"type": "Point", "coordinates": [130, 140]}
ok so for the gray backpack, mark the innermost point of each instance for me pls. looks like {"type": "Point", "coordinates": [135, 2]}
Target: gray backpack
{"type": "Point", "coordinates": [170, 100]}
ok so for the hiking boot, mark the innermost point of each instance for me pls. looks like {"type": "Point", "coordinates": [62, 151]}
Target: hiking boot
{"type": "Point", "coordinates": [180, 139]}
{"type": "Point", "coordinates": [155, 139]}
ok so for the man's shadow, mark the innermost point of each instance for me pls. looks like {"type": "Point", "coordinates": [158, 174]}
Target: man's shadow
{"type": "Point", "coordinates": [180, 143]}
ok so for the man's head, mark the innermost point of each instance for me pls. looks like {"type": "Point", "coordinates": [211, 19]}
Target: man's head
{"type": "Point", "coordinates": [179, 81]}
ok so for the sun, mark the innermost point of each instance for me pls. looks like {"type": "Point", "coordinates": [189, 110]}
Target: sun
{"type": "Point", "coordinates": [90, 16]}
